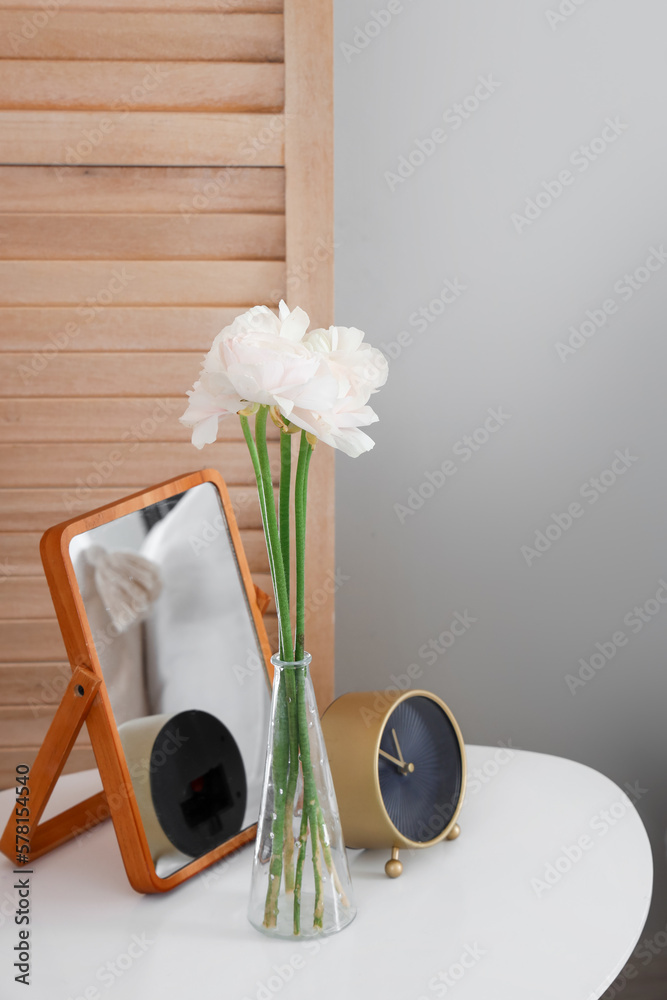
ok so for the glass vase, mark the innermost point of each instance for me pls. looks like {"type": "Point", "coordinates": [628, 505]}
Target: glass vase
{"type": "Point", "coordinates": [300, 878]}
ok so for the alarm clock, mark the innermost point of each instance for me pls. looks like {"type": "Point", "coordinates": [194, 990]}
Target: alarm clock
{"type": "Point", "coordinates": [398, 765]}
{"type": "Point", "coordinates": [191, 788]}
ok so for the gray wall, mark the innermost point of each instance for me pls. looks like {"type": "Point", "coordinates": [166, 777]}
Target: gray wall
{"type": "Point", "coordinates": [458, 218]}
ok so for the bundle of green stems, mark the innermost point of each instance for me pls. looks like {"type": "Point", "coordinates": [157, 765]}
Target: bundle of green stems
{"type": "Point", "coordinates": [291, 748]}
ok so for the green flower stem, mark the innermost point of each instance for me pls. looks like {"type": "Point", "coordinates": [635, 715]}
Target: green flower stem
{"type": "Point", "coordinates": [260, 461]}
{"type": "Point", "coordinates": [311, 804]}
{"type": "Point", "coordinates": [285, 485]}
{"type": "Point", "coordinates": [292, 779]}
{"type": "Point", "coordinates": [328, 858]}
{"type": "Point", "coordinates": [310, 801]}
{"type": "Point", "coordinates": [293, 774]}
{"type": "Point", "coordinates": [300, 496]}
{"type": "Point", "coordinates": [291, 746]}
{"type": "Point", "coordinates": [318, 911]}
{"type": "Point", "coordinates": [250, 441]}
{"type": "Point", "coordinates": [273, 538]}
{"type": "Point", "coordinates": [303, 844]}
{"type": "Point", "coordinates": [280, 755]}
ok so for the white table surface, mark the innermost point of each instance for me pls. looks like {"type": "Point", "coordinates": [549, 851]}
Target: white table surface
{"type": "Point", "coordinates": [466, 919]}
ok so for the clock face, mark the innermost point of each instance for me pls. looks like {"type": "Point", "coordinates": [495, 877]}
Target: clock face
{"type": "Point", "coordinates": [420, 769]}
{"type": "Point", "coordinates": [199, 792]}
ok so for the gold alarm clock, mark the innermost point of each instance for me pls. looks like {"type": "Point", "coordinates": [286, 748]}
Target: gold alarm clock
{"type": "Point", "coordinates": [398, 764]}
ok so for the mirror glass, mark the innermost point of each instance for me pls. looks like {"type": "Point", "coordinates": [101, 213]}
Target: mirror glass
{"type": "Point", "coordinates": [183, 668]}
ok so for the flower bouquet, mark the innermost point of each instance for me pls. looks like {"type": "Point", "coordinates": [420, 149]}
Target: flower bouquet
{"type": "Point", "coordinates": [317, 385]}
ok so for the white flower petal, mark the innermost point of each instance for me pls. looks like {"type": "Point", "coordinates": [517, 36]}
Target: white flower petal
{"type": "Point", "coordinates": [294, 325]}
{"type": "Point", "coordinates": [285, 405]}
{"type": "Point", "coordinates": [206, 431]}
{"type": "Point", "coordinates": [319, 394]}
{"type": "Point", "coordinates": [362, 417]}
{"type": "Point", "coordinates": [353, 442]}
{"type": "Point", "coordinates": [319, 340]}
{"type": "Point", "coordinates": [348, 339]}
{"type": "Point", "coordinates": [303, 419]}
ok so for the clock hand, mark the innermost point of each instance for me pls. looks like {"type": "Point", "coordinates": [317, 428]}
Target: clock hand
{"type": "Point", "coordinates": [398, 747]}
{"type": "Point", "coordinates": [398, 763]}
{"type": "Point", "coordinates": [404, 768]}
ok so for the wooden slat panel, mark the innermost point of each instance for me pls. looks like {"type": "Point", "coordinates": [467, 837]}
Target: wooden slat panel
{"type": "Point", "coordinates": [25, 597]}
{"type": "Point", "coordinates": [160, 36]}
{"type": "Point", "coordinates": [135, 237]}
{"type": "Point", "coordinates": [23, 724]}
{"type": "Point", "coordinates": [170, 86]}
{"type": "Point", "coordinates": [137, 464]}
{"type": "Point", "coordinates": [35, 510]}
{"type": "Point", "coordinates": [19, 555]}
{"type": "Point", "coordinates": [22, 567]}
{"type": "Point", "coordinates": [271, 625]}
{"type": "Point", "coordinates": [254, 546]}
{"type": "Point", "coordinates": [136, 138]}
{"type": "Point", "coordinates": [137, 328]}
{"type": "Point", "coordinates": [80, 759]}
{"type": "Point", "coordinates": [210, 283]}
{"type": "Point", "coordinates": [33, 640]}
{"type": "Point", "coordinates": [30, 640]}
{"type": "Point", "coordinates": [33, 683]}
{"type": "Point", "coordinates": [309, 53]}
{"type": "Point", "coordinates": [246, 510]}
{"type": "Point", "coordinates": [91, 419]}
{"type": "Point", "coordinates": [263, 581]}
{"type": "Point", "coordinates": [187, 190]}
{"type": "Point", "coordinates": [110, 374]}
{"type": "Point", "coordinates": [137, 158]}
{"type": "Point", "coordinates": [30, 7]}
{"type": "Point", "coordinates": [29, 597]}
{"type": "Point", "coordinates": [19, 551]}
{"type": "Point", "coordinates": [24, 420]}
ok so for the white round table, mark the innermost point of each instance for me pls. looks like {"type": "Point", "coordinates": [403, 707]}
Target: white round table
{"type": "Point", "coordinates": [542, 897]}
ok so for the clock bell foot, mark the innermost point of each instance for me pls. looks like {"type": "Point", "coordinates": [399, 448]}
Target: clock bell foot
{"type": "Point", "coordinates": [454, 832]}
{"type": "Point", "coordinates": [393, 867]}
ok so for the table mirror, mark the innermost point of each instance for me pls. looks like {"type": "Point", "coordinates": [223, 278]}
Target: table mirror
{"type": "Point", "coordinates": [164, 630]}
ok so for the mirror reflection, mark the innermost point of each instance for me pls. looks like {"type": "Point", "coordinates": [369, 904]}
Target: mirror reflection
{"type": "Point", "coordinates": [183, 667]}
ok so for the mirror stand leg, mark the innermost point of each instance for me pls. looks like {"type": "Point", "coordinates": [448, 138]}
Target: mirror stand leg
{"type": "Point", "coordinates": [46, 769]}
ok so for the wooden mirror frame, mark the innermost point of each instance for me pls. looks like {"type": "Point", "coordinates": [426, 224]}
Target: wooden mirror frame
{"type": "Point", "coordinates": [86, 700]}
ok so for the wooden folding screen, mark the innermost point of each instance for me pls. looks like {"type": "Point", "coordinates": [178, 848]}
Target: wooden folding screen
{"type": "Point", "coordinates": [163, 165]}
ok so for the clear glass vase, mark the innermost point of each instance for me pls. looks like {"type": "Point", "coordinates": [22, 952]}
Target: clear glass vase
{"type": "Point", "coordinates": [300, 878]}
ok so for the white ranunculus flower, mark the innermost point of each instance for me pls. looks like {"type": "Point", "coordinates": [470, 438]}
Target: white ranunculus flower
{"type": "Point", "coordinates": [359, 370]}
{"type": "Point", "coordinates": [320, 381]}
{"type": "Point", "coordinates": [259, 358]}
